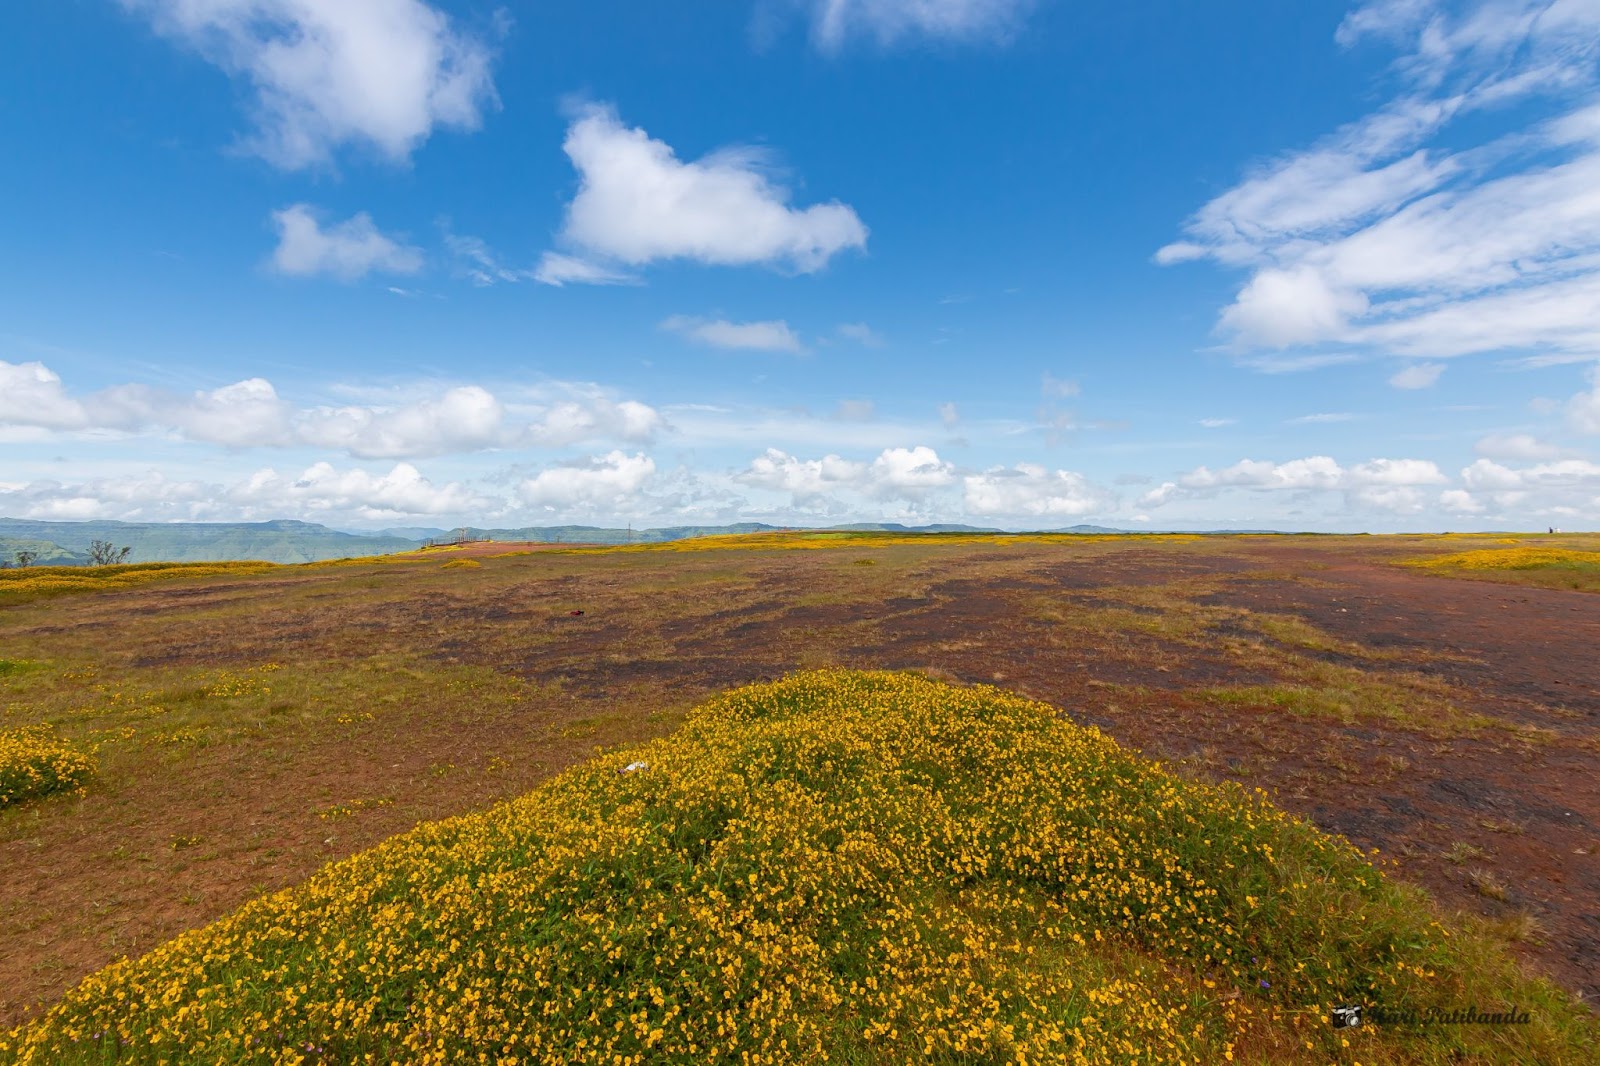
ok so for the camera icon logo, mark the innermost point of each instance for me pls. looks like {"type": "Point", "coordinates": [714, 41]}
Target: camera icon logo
{"type": "Point", "coordinates": [1345, 1017]}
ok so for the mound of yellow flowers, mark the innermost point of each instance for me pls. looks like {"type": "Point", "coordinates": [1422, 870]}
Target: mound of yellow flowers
{"type": "Point", "coordinates": [847, 867]}
{"type": "Point", "coordinates": [35, 762]}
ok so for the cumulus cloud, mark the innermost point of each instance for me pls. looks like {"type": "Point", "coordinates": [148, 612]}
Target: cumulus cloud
{"type": "Point", "coordinates": [1033, 491]}
{"type": "Point", "coordinates": [770, 336]}
{"type": "Point", "coordinates": [1523, 446]}
{"type": "Point", "coordinates": [1396, 234]}
{"type": "Point", "coordinates": [245, 414]}
{"type": "Point", "coordinates": [606, 482]}
{"type": "Point", "coordinates": [811, 483]}
{"type": "Point", "coordinates": [1417, 376]}
{"type": "Point", "coordinates": [31, 394]}
{"type": "Point", "coordinates": [348, 250]}
{"type": "Point", "coordinates": [638, 203]}
{"type": "Point", "coordinates": [886, 22]}
{"type": "Point", "coordinates": [321, 492]}
{"type": "Point", "coordinates": [401, 492]}
{"type": "Point", "coordinates": [250, 413]}
{"type": "Point", "coordinates": [463, 419]}
{"type": "Point", "coordinates": [325, 73]}
{"type": "Point", "coordinates": [908, 474]}
{"type": "Point", "coordinates": [1387, 484]}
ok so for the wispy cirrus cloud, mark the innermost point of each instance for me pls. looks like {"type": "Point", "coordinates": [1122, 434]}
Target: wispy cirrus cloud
{"type": "Point", "coordinates": [1390, 236]}
{"type": "Point", "coordinates": [768, 336]}
{"type": "Point", "coordinates": [888, 22]}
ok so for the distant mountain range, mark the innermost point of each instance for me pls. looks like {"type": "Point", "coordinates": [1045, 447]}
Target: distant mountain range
{"type": "Point", "coordinates": [285, 541]}
{"type": "Point", "coordinates": [290, 541]}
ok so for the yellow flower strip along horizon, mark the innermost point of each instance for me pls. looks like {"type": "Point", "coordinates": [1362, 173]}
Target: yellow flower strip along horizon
{"type": "Point", "coordinates": [837, 866]}
{"type": "Point", "coordinates": [1524, 558]}
{"type": "Point", "coordinates": [35, 762]}
{"type": "Point", "coordinates": [46, 580]}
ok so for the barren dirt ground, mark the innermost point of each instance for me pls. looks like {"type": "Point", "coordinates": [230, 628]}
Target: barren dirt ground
{"type": "Point", "coordinates": [1453, 724]}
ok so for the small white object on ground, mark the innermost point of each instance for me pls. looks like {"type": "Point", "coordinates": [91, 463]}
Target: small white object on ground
{"type": "Point", "coordinates": [631, 767]}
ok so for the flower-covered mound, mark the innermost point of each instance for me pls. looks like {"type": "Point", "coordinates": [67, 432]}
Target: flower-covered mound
{"type": "Point", "coordinates": [35, 762]}
{"type": "Point", "coordinates": [844, 867]}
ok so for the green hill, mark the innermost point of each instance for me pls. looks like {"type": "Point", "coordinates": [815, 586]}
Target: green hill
{"type": "Point", "coordinates": [45, 552]}
{"type": "Point", "coordinates": [851, 867]}
{"type": "Point", "coordinates": [281, 541]}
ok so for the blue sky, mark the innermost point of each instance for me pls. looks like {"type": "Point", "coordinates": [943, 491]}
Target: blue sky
{"type": "Point", "coordinates": [1329, 266]}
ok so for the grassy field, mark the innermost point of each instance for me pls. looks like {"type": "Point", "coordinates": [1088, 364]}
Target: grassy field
{"type": "Point", "coordinates": [249, 728]}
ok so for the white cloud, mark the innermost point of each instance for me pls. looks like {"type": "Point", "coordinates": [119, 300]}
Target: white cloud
{"type": "Point", "coordinates": [1384, 237]}
{"type": "Point", "coordinates": [1279, 308]}
{"type": "Point", "coordinates": [31, 394]}
{"type": "Point", "coordinates": [1316, 472]}
{"type": "Point", "coordinates": [1391, 485]}
{"type": "Point", "coordinates": [608, 482]}
{"type": "Point", "coordinates": [250, 413]}
{"type": "Point", "coordinates": [590, 413]}
{"type": "Point", "coordinates": [1033, 491]}
{"type": "Point", "coordinates": [1321, 418]}
{"type": "Point", "coordinates": [348, 250]}
{"type": "Point", "coordinates": [861, 333]}
{"type": "Point", "coordinates": [1396, 472]}
{"type": "Point", "coordinates": [637, 203]}
{"type": "Point", "coordinates": [325, 73]}
{"type": "Point", "coordinates": [888, 21]}
{"type": "Point", "coordinates": [321, 488]}
{"type": "Point", "coordinates": [1583, 410]}
{"type": "Point", "coordinates": [855, 411]}
{"type": "Point", "coordinates": [812, 483]}
{"type": "Point", "coordinates": [1217, 423]}
{"type": "Point", "coordinates": [558, 270]}
{"type": "Point", "coordinates": [910, 474]}
{"type": "Point", "coordinates": [1522, 446]}
{"type": "Point", "coordinates": [464, 419]}
{"type": "Point", "coordinates": [949, 415]}
{"type": "Point", "coordinates": [770, 336]}
{"type": "Point", "coordinates": [1417, 376]}
{"type": "Point", "coordinates": [245, 414]}
{"type": "Point", "coordinates": [320, 493]}
{"type": "Point", "coordinates": [1460, 501]}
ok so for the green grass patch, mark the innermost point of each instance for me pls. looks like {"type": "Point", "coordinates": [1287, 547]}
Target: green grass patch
{"type": "Point", "coordinates": [858, 867]}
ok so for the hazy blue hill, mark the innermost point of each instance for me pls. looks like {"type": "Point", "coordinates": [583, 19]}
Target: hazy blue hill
{"type": "Point", "coordinates": [48, 553]}
{"type": "Point", "coordinates": [604, 535]}
{"type": "Point", "coordinates": [418, 533]}
{"type": "Point", "coordinates": [281, 541]}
